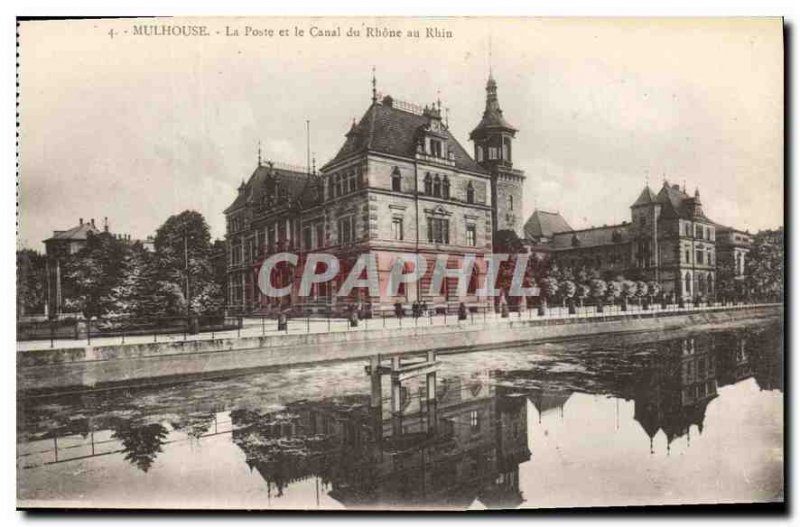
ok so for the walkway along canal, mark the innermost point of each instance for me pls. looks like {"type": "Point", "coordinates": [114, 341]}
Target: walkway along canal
{"type": "Point", "coordinates": [99, 365]}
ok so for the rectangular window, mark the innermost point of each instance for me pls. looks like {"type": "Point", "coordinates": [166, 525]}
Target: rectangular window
{"type": "Point", "coordinates": [699, 257]}
{"type": "Point", "coordinates": [688, 256]}
{"type": "Point", "coordinates": [307, 238]}
{"type": "Point", "coordinates": [397, 228]}
{"type": "Point", "coordinates": [438, 230]}
{"type": "Point", "coordinates": [471, 239]}
{"type": "Point", "coordinates": [474, 421]}
{"type": "Point", "coordinates": [320, 235]}
{"type": "Point", "coordinates": [345, 229]}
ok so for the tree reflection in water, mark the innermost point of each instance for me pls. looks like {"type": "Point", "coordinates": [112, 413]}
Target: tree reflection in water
{"type": "Point", "coordinates": [140, 442]}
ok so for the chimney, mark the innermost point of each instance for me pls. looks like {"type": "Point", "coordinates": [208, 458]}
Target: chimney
{"type": "Point", "coordinates": [93, 222]}
{"type": "Point", "coordinates": [81, 220]}
{"type": "Point", "coordinates": [105, 223]}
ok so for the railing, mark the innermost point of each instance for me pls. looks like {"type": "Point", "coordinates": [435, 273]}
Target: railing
{"type": "Point", "coordinates": [178, 329]}
{"type": "Point", "coordinates": [122, 328]}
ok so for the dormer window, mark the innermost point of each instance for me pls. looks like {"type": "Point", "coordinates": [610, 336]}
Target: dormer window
{"type": "Point", "coordinates": [479, 154]}
{"type": "Point", "coordinates": [435, 148]}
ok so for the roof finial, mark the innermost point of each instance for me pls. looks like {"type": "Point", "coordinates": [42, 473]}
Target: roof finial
{"type": "Point", "coordinates": [374, 86]}
{"type": "Point", "coordinates": [439, 99]}
{"type": "Point", "coordinates": [684, 186]}
{"type": "Point", "coordinates": [313, 163]}
{"type": "Point", "coordinates": [490, 55]}
{"type": "Point", "coordinates": [259, 152]}
{"type": "Point", "coordinates": [447, 117]}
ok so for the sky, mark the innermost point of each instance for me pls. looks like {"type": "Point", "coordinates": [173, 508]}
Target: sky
{"type": "Point", "coordinates": [137, 128]}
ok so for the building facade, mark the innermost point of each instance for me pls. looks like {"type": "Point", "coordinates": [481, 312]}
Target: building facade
{"type": "Point", "coordinates": [669, 240]}
{"type": "Point", "coordinates": [400, 183]}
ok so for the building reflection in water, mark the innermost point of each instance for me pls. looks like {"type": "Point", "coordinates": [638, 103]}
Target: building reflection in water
{"type": "Point", "coordinates": [421, 438]}
{"type": "Point", "coordinates": [681, 377]}
{"type": "Point", "coordinates": [419, 442]}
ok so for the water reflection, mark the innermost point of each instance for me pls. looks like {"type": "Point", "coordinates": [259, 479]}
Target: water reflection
{"type": "Point", "coordinates": [443, 435]}
{"type": "Point", "coordinates": [465, 443]}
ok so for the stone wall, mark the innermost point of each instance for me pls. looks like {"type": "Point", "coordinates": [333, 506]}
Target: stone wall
{"type": "Point", "coordinates": [93, 366]}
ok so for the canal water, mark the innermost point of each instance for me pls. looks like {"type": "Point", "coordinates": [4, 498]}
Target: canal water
{"type": "Point", "coordinates": [682, 417]}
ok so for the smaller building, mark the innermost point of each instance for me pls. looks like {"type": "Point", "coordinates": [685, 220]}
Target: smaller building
{"type": "Point", "coordinates": [65, 243]}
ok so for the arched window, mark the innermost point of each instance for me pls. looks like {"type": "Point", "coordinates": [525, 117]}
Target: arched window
{"type": "Point", "coordinates": [396, 181]}
{"type": "Point", "coordinates": [428, 184]}
{"type": "Point", "coordinates": [446, 188]}
{"type": "Point", "coordinates": [437, 186]}
{"type": "Point", "coordinates": [510, 202]}
{"type": "Point", "coordinates": [687, 283]}
{"type": "Point", "coordinates": [470, 193]}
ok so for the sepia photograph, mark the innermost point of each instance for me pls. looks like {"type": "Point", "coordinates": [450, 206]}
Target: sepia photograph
{"type": "Point", "coordinates": [400, 263]}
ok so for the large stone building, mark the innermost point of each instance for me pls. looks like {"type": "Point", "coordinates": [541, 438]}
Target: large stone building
{"type": "Point", "coordinates": [669, 240]}
{"type": "Point", "coordinates": [400, 183]}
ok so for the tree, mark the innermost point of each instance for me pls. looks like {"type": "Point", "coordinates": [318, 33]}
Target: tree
{"type": "Point", "coordinates": [548, 288]}
{"type": "Point", "coordinates": [183, 247]}
{"type": "Point", "coordinates": [614, 290]}
{"type": "Point", "coordinates": [598, 290]}
{"type": "Point", "coordinates": [654, 288]}
{"type": "Point", "coordinates": [31, 282]}
{"type": "Point", "coordinates": [764, 265]}
{"type": "Point", "coordinates": [727, 286]}
{"type": "Point", "coordinates": [642, 290]}
{"type": "Point", "coordinates": [567, 290]}
{"type": "Point", "coordinates": [584, 290]}
{"type": "Point", "coordinates": [92, 273]}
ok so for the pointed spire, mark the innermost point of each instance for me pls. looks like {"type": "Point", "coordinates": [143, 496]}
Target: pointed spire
{"type": "Point", "coordinates": [374, 86]}
{"type": "Point", "coordinates": [490, 57]}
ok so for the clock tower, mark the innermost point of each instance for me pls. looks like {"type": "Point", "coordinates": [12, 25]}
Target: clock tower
{"type": "Point", "coordinates": [493, 139]}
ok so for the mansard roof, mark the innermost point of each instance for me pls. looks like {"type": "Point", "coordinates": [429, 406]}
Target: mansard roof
{"type": "Point", "coordinates": [394, 128]}
{"type": "Point", "coordinates": [677, 204]}
{"type": "Point", "coordinates": [266, 179]}
{"type": "Point", "coordinates": [543, 223]}
{"type": "Point", "coordinates": [593, 237]}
